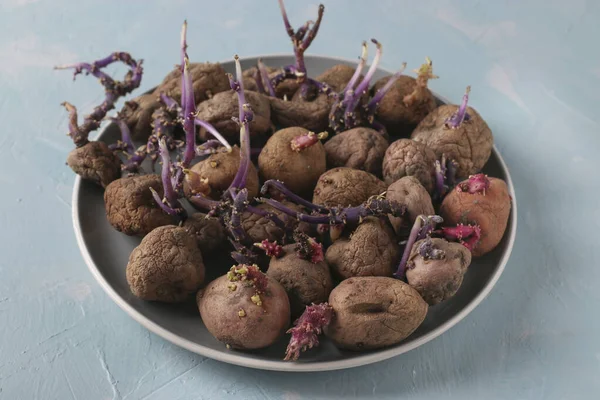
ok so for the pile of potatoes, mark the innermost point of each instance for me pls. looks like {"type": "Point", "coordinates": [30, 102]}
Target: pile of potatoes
{"type": "Point", "coordinates": [252, 306]}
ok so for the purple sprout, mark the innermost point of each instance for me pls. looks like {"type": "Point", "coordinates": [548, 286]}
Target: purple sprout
{"type": "Point", "coordinates": [422, 228]}
{"type": "Point", "coordinates": [461, 115]}
{"type": "Point", "coordinates": [429, 251]}
{"type": "Point", "coordinates": [113, 91]}
{"type": "Point", "coordinates": [307, 328]}
{"type": "Point", "coordinates": [445, 176]}
{"type": "Point", "coordinates": [170, 202]}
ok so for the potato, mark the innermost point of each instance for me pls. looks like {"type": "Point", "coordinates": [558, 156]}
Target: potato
{"type": "Point", "coordinates": [304, 282]}
{"type": "Point", "coordinates": [406, 157]}
{"type": "Point", "coordinates": [286, 88]}
{"type": "Point", "coordinates": [312, 115]}
{"type": "Point", "coordinates": [234, 315]}
{"type": "Point", "coordinates": [409, 192]}
{"type": "Point", "coordinates": [373, 312]}
{"type": "Point", "coordinates": [489, 209]}
{"type": "Point", "coordinates": [371, 250]}
{"type": "Point", "coordinates": [358, 148]}
{"type": "Point", "coordinates": [346, 187]}
{"type": "Point", "coordinates": [437, 280]}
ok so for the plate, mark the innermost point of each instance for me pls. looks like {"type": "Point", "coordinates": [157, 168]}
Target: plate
{"type": "Point", "coordinates": [106, 252]}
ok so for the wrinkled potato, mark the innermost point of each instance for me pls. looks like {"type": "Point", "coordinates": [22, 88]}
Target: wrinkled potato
{"type": "Point", "coordinates": [130, 207]}
{"type": "Point", "coordinates": [358, 148]}
{"type": "Point", "coordinates": [287, 88]}
{"type": "Point", "coordinates": [346, 187]}
{"type": "Point", "coordinates": [312, 115]}
{"type": "Point", "coordinates": [298, 170]}
{"type": "Point", "coordinates": [261, 228]}
{"type": "Point", "coordinates": [213, 175]}
{"type": "Point", "coordinates": [373, 312]}
{"type": "Point", "coordinates": [208, 79]}
{"type": "Point", "coordinates": [399, 117]}
{"type": "Point", "coordinates": [409, 192]}
{"type": "Point", "coordinates": [304, 282]}
{"type": "Point", "coordinates": [167, 266]}
{"type": "Point", "coordinates": [470, 145]}
{"type": "Point", "coordinates": [406, 157]}
{"type": "Point", "coordinates": [437, 280]}
{"type": "Point", "coordinates": [95, 162]}
{"type": "Point", "coordinates": [208, 232]}
{"type": "Point", "coordinates": [371, 250]}
{"type": "Point", "coordinates": [137, 114]}
{"type": "Point", "coordinates": [489, 209]}
{"type": "Point", "coordinates": [338, 76]}
{"type": "Point", "coordinates": [232, 316]}
{"type": "Point", "coordinates": [218, 111]}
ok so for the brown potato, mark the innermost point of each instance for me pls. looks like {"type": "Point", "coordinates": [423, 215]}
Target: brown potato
{"type": "Point", "coordinates": [130, 207]}
{"type": "Point", "coordinates": [137, 114]}
{"type": "Point", "coordinates": [371, 250]}
{"type": "Point", "coordinates": [490, 210]}
{"type": "Point", "coordinates": [287, 88]}
{"type": "Point", "coordinates": [337, 77]}
{"type": "Point", "coordinates": [213, 175]}
{"type": "Point", "coordinates": [298, 170]}
{"type": "Point", "coordinates": [346, 187]}
{"type": "Point", "coordinates": [312, 115]}
{"type": "Point", "coordinates": [358, 148]}
{"type": "Point", "coordinates": [218, 111]}
{"type": "Point", "coordinates": [233, 318]}
{"type": "Point", "coordinates": [470, 145]}
{"type": "Point", "coordinates": [208, 79]}
{"type": "Point", "coordinates": [406, 157]}
{"type": "Point", "coordinates": [95, 162]}
{"type": "Point", "coordinates": [167, 266]}
{"type": "Point", "coordinates": [260, 228]}
{"type": "Point", "coordinates": [208, 232]}
{"type": "Point", "coordinates": [304, 282]}
{"type": "Point", "coordinates": [437, 280]}
{"type": "Point", "coordinates": [409, 192]}
{"type": "Point", "coordinates": [373, 312]}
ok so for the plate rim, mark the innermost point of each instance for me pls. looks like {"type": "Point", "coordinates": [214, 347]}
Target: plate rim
{"type": "Point", "coordinates": [240, 359]}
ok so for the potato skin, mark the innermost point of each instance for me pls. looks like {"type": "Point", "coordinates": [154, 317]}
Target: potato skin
{"type": "Point", "coordinates": [167, 266]}
{"type": "Point", "coordinates": [409, 191]}
{"type": "Point", "coordinates": [371, 250]}
{"type": "Point", "coordinates": [312, 115]}
{"type": "Point", "coordinates": [130, 207]}
{"type": "Point", "coordinates": [260, 228]}
{"type": "Point", "coordinates": [95, 162]}
{"type": "Point", "coordinates": [406, 157]}
{"type": "Point", "coordinates": [438, 280]}
{"type": "Point", "coordinates": [208, 232]}
{"type": "Point", "coordinates": [470, 144]}
{"type": "Point", "coordinates": [398, 118]}
{"type": "Point", "coordinates": [220, 169]}
{"type": "Point", "coordinates": [373, 312]}
{"type": "Point", "coordinates": [208, 79]}
{"type": "Point", "coordinates": [337, 77]}
{"type": "Point", "coordinates": [298, 170]}
{"type": "Point", "coordinates": [304, 282]}
{"type": "Point", "coordinates": [286, 88]}
{"type": "Point", "coordinates": [489, 211]}
{"type": "Point", "coordinates": [137, 114]}
{"type": "Point", "coordinates": [222, 106]}
{"type": "Point", "coordinates": [346, 187]}
{"type": "Point", "coordinates": [260, 327]}
{"type": "Point", "coordinates": [358, 148]}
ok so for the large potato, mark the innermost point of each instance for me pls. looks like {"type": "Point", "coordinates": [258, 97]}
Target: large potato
{"type": "Point", "coordinates": [373, 312]}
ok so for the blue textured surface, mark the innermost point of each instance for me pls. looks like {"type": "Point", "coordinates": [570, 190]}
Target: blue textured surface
{"type": "Point", "coordinates": [535, 72]}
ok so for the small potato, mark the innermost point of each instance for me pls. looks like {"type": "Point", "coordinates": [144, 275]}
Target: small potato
{"type": "Point", "coordinates": [299, 170]}
{"type": "Point", "coordinates": [373, 312]}
{"type": "Point", "coordinates": [406, 157]}
{"type": "Point", "coordinates": [304, 282]}
{"type": "Point", "coordinates": [232, 316]}
{"type": "Point", "coordinates": [208, 232]}
{"type": "Point", "coordinates": [358, 148]}
{"type": "Point", "coordinates": [337, 77]}
{"type": "Point", "coordinates": [409, 192]}
{"type": "Point", "coordinates": [95, 162]}
{"type": "Point", "coordinates": [260, 228]}
{"type": "Point", "coordinates": [208, 79]}
{"type": "Point", "coordinates": [346, 187]}
{"type": "Point", "coordinates": [371, 250]}
{"type": "Point", "coordinates": [437, 280]}
{"type": "Point", "coordinates": [287, 88]}
{"type": "Point", "coordinates": [312, 115]}
{"type": "Point", "coordinates": [489, 208]}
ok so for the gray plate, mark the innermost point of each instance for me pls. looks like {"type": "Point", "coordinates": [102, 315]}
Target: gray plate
{"type": "Point", "coordinates": [106, 252]}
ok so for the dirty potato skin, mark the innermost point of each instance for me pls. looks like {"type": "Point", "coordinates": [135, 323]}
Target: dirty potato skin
{"type": "Point", "coordinates": [358, 148]}
{"type": "Point", "coordinates": [137, 114]}
{"type": "Point", "coordinates": [490, 211]}
{"type": "Point", "coordinates": [398, 118]}
{"type": "Point", "coordinates": [312, 115]}
{"type": "Point", "coordinates": [304, 282]}
{"type": "Point", "coordinates": [222, 106]}
{"type": "Point", "coordinates": [373, 312]}
{"type": "Point", "coordinates": [371, 250]}
{"type": "Point", "coordinates": [286, 88]}
{"type": "Point", "coordinates": [130, 207]}
{"type": "Point", "coordinates": [438, 280]}
{"type": "Point", "coordinates": [208, 79]}
{"type": "Point", "coordinates": [337, 77]}
{"type": "Point", "coordinates": [95, 162]}
{"type": "Point", "coordinates": [298, 170]}
{"type": "Point", "coordinates": [406, 157]}
{"type": "Point", "coordinates": [260, 228]}
{"type": "Point", "coordinates": [346, 187]}
{"type": "Point", "coordinates": [208, 232]}
{"type": "Point", "coordinates": [220, 169]}
{"type": "Point", "coordinates": [260, 326]}
{"type": "Point", "coordinates": [167, 266]}
{"type": "Point", "coordinates": [470, 144]}
{"type": "Point", "coordinates": [409, 191]}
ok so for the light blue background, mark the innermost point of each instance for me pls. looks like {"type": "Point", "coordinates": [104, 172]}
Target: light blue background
{"type": "Point", "coordinates": [534, 67]}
